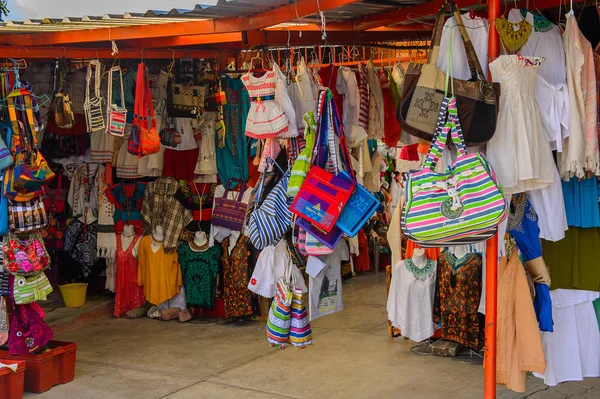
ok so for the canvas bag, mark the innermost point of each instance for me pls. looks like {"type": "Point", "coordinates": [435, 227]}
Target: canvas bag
{"type": "Point", "coordinates": [423, 91]}
{"type": "Point", "coordinates": [27, 216]}
{"type": "Point", "coordinates": [279, 318]}
{"type": "Point", "coordinates": [31, 289]}
{"type": "Point", "coordinates": [325, 292]}
{"type": "Point", "coordinates": [463, 201]}
{"type": "Point", "coordinates": [27, 332]}
{"type": "Point", "coordinates": [64, 116]}
{"type": "Point", "coordinates": [271, 218]}
{"type": "Point", "coordinates": [300, 331]}
{"type": "Point", "coordinates": [116, 114]}
{"type": "Point", "coordinates": [25, 180]}
{"type": "Point", "coordinates": [92, 106]}
{"type": "Point", "coordinates": [230, 213]}
{"type": "Point", "coordinates": [185, 101]}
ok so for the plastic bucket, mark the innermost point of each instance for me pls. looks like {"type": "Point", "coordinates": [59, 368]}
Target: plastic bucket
{"type": "Point", "coordinates": [74, 294]}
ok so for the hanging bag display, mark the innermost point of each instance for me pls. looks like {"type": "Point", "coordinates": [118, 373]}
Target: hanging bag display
{"type": "Point", "coordinates": [25, 180]}
{"type": "Point", "coordinates": [6, 159]}
{"type": "Point", "coordinates": [64, 117]}
{"type": "Point", "coordinates": [116, 114]}
{"type": "Point", "coordinates": [423, 91]}
{"type": "Point", "coordinates": [27, 332]}
{"type": "Point", "coordinates": [92, 107]}
{"type": "Point", "coordinates": [230, 213]}
{"type": "Point", "coordinates": [30, 289]}
{"type": "Point", "coordinates": [271, 218]}
{"type": "Point", "coordinates": [27, 216]}
{"type": "Point", "coordinates": [280, 314]}
{"type": "Point", "coordinates": [25, 256]}
{"type": "Point", "coordinates": [323, 194]}
{"type": "Point", "coordinates": [143, 139]}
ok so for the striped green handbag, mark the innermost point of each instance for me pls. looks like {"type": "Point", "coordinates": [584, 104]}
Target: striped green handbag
{"type": "Point", "coordinates": [30, 289]}
{"type": "Point", "coordinates": [462, 203]}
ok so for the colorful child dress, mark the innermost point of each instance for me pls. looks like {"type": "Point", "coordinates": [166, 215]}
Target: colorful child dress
{"type": "Point", "coordinates": [266, 118]}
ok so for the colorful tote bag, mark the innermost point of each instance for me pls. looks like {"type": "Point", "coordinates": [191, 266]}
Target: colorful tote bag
{"type": "Point", "coordinates": [272, 218]}
{"type": "Point", "coordinates": [144, 139]}
{"type": "Point", "coordinates": [92, 107]}
{"type": "Point", "coordinates": [31, 289]}
{"type": "Point", "coordinates": [230, 213]}
{"type": "Point", "coordinates": [317, 241]}
{"type": "Point", "coordinates": [463, 201]}
{"type": "Point", "coordinates": [27, 216]}
{"type": "Point", "coordinates": [300, 331]}
{"type": "Point", "coordinates": [25, 180]}
{"type": "Point", "coordinates": [25, 256]}
{"type": "Point", "coordinates": [279, 319]}
{"type": "Point", "coordinates": [116, 114]}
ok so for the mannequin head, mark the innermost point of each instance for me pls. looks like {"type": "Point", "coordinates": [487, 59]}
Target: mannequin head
{"type": "Point", "coordinates": [200, 238]}
{"type": "Point", "coordinates": [158, 234]}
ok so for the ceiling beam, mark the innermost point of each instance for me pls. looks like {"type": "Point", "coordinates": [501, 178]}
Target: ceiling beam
{"type": "Point", "coordinates": [57, 52]}
{"type": "Point", "coordinates": [182, 41]}
{"type": "Point", "coordinates": [282, 38]}
{"type": "Point", "coordinates": [259, 21]}
{"type": "Point", "coordinates": [349, 26]}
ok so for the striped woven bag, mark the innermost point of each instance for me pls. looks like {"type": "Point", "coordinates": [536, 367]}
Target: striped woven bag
{"type": "Point", "coordinates": [279, 320]}
{"type": "Point", "coordinates": [464, 203]}
{"type": "Point", "coordinates": [300, 331]}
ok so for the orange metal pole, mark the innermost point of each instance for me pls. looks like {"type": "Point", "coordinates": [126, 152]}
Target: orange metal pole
{"type": "Point", "coordinates": [491, 283]}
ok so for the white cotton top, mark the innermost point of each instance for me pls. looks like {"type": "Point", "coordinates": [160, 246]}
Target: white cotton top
{"type": "Point", "coordinates": [185, 126]}
{"type": "Point", "coordinates": [477, 29]}
{"type": "Point", "coordinates": [551, 90]}
{"type": "Point", "coordinates": [549, 204]}
{"type": "Point", "coordinates": [410, 302]}
{"type": "Point", "coordinates": [572, 351]}
{"type": "Point", "coordinates": [347, 86]}
{"type": "Point", "coordinates": [282, 97]}
{"type": "Point", "coordinates": [303, 93]}
{"type": "Point", "coordinates": [219, 233]}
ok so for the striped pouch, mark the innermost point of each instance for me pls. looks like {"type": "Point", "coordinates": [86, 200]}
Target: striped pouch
{"type": "Point", "coordinates": [300, 332]}
{"type": "Point", "coordinates": [279, 320]}
{"type": "Point", "coordinates": [463, 201]}
{"type": "Point", "coordinates": [31, 289]}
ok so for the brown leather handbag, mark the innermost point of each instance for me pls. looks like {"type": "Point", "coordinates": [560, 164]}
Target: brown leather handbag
{"type": "Point", "coordinates": [423, 91]}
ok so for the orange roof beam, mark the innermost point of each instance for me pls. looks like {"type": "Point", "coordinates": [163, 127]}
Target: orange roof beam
{"type": "Point", "coordinates": [76, 52]}
{"type": "Point", "coordinates": [201, 27]}
{"type": "Point", "coordinates": [349, 26]}
{"type": "Point", "coordinates": [182, 41]}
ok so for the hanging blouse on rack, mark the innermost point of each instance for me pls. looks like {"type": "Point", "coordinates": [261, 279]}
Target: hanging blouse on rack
{"type": "Point", "coordinates": [390, 123]}
{"type": "Point", "coordinates": [83, 192]}
{"type": "Point", "coordinates": [179, 162]}
{"type": "Point", "coordinates": [459, 293]}
{"type": "Point", "coordinates": [347, 86]}
{"type": "Point", "coordinates": [127, 199]}
{"type": "Point", "coordinates": [303, 93]}
{"type": "Point", "coordinates": [198, 198]}
{"type": "Point", "coordinates": [329, 76]}
{"type": "Point", "coordinates": [266, 119]}
{"type": "Point", "coordinates": [477, 29]}
{"type": "Point", "coordinates": [551, 90]}
{"type": "Point", "coordinates": [519, 151]}
{"type": "Point", "coordinates": [581, 202]}
{"type": "Point", "coordinates": [410, 299]}
{"type": "Point", "coordinates": [206, 166]}
{"type": "Point", "coordinates": [282, 97]}
{"type": "Point", "coordinates": [127, 164]}
{"type": "Point", "coordinates": [376, 108]}
{"type": "Point", "coordinates": [549, 204]}
{"type": "Point", "coordinates": [581, 149]}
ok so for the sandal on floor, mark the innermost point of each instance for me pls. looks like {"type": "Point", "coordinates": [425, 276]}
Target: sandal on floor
{"type": "Point", "coordinates": [170, 314]}
{"type": "Point", "coordinates": [184, 315]}
{"type": "Point", "coordinates": [138, 312]}
{"type": "Point", "coordinates": [154, 312]}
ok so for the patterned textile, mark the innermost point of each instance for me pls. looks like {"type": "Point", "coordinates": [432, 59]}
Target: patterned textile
{"type": "Point", "coordinates": [127, 199]}
{"type": "Point", "coordinates": [236, 296]}
{"type": "Point", "coordinates": [597, 63]}
{"type": "Point", "coordinates": [160, 208]}
{"type": "Point", "coordinates": [363, 92]}
{"type": "Point", "coordinates": [199, 270]}
{"type": "Point", "coordinates": [266, 118]}
{"type": "Point", "coordinates": [81, 244]}
{"type": "Point", "coordinates": [107, 239]}
{"type": "Point", "coordinates": [459, 285]}
{"type": "Point", "coordinates": [27, 215]}
{"type": "Point", "coordinates": [128, 294]}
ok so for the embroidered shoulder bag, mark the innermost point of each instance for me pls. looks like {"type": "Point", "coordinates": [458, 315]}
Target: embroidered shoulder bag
{"type": "Point", "coordinates": [423, 91]}
{"type": "Point", "coordinates": [230, 213]}
{"type": "Point", "coordinates": [116, 114]}
{"type": "Point", "coordinates": [92, 107]}
{"type": "Point", "coordinates": [63, 107]}
{"type": "Point", "coordinates": [144, 139]}
{"type": "Point", "coordinates": [31, 172]}
{"type": "Point", "coordinates": [25, 256]}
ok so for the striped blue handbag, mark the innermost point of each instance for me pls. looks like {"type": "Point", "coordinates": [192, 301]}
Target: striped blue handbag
{"type": "Point", "coordinates": [272, 218]}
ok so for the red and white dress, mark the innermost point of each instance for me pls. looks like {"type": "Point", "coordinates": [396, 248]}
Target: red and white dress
{"type": "Point", "coordinates": [266, 118]}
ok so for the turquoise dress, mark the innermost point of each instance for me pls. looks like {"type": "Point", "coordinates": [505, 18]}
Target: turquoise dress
{"type": "Point", "coordinates": [232, 160]}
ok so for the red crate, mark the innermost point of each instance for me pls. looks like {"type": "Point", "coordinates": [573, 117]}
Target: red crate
{"type": "Point", "coordinates": [53, 367]}
{"type": "Point", "coordinates": [11, 383]}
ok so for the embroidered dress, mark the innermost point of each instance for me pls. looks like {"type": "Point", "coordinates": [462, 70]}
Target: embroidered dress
{"type": "Point", "coordinates": [198, 198]}
{"type": "Point", "coordinates": [266, 118]}
{"type": "Point", "coordinates": [236, 296]}
{"type": "Point", "coordinates": [199, 270]}
{"type": "Point", "coordinates": [128, 294]}
{"type": "Point", "coordinates": [127, 199]}
{"type": "Point", "coordinates": [519, 151]}
{"type": "Point", "coordinates": [459, 294]}
{"type": "Point", "coordinates": [410, 300]}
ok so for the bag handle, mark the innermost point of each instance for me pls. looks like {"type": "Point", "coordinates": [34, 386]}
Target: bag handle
{"type": "Point", "coordinates": [149, 104]}
{"type": "Point", "coordinates": [242, 188]}
{"type": "Point", "coordinates": [434, 47]}
{"type": "Point", "coordinates": [137, 105]}
{"type": "Point", "coordinates": [110, 86]}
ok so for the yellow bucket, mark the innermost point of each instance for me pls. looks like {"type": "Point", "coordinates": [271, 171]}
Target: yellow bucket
{"type": "Point", "coordinates": [74, 294]}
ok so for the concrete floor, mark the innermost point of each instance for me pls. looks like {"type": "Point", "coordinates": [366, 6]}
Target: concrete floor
{"type": "Point", "coordinates": [352, 357]}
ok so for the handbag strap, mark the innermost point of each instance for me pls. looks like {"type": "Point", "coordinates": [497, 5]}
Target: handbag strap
{"type": "Point", "coordinates": [95, 66]}
{"type": "Point", "coordinates": [12, 112]}
{"type": "Point", "coordinates": [434, 47]}
{"type": "Point", "coordinates": [110, 86]}
{"type": "Point", "coordinates": [242, 188]}
{"type": "Point", "coordinates": [137, 105]}
{"type": "Point", "coordinates": [148, 102]}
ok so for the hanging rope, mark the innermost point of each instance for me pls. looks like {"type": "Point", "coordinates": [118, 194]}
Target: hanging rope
{"type": "Point", "coordinates": [322, 23]}
{"type": "Point", "coordinates": [298, 18]}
